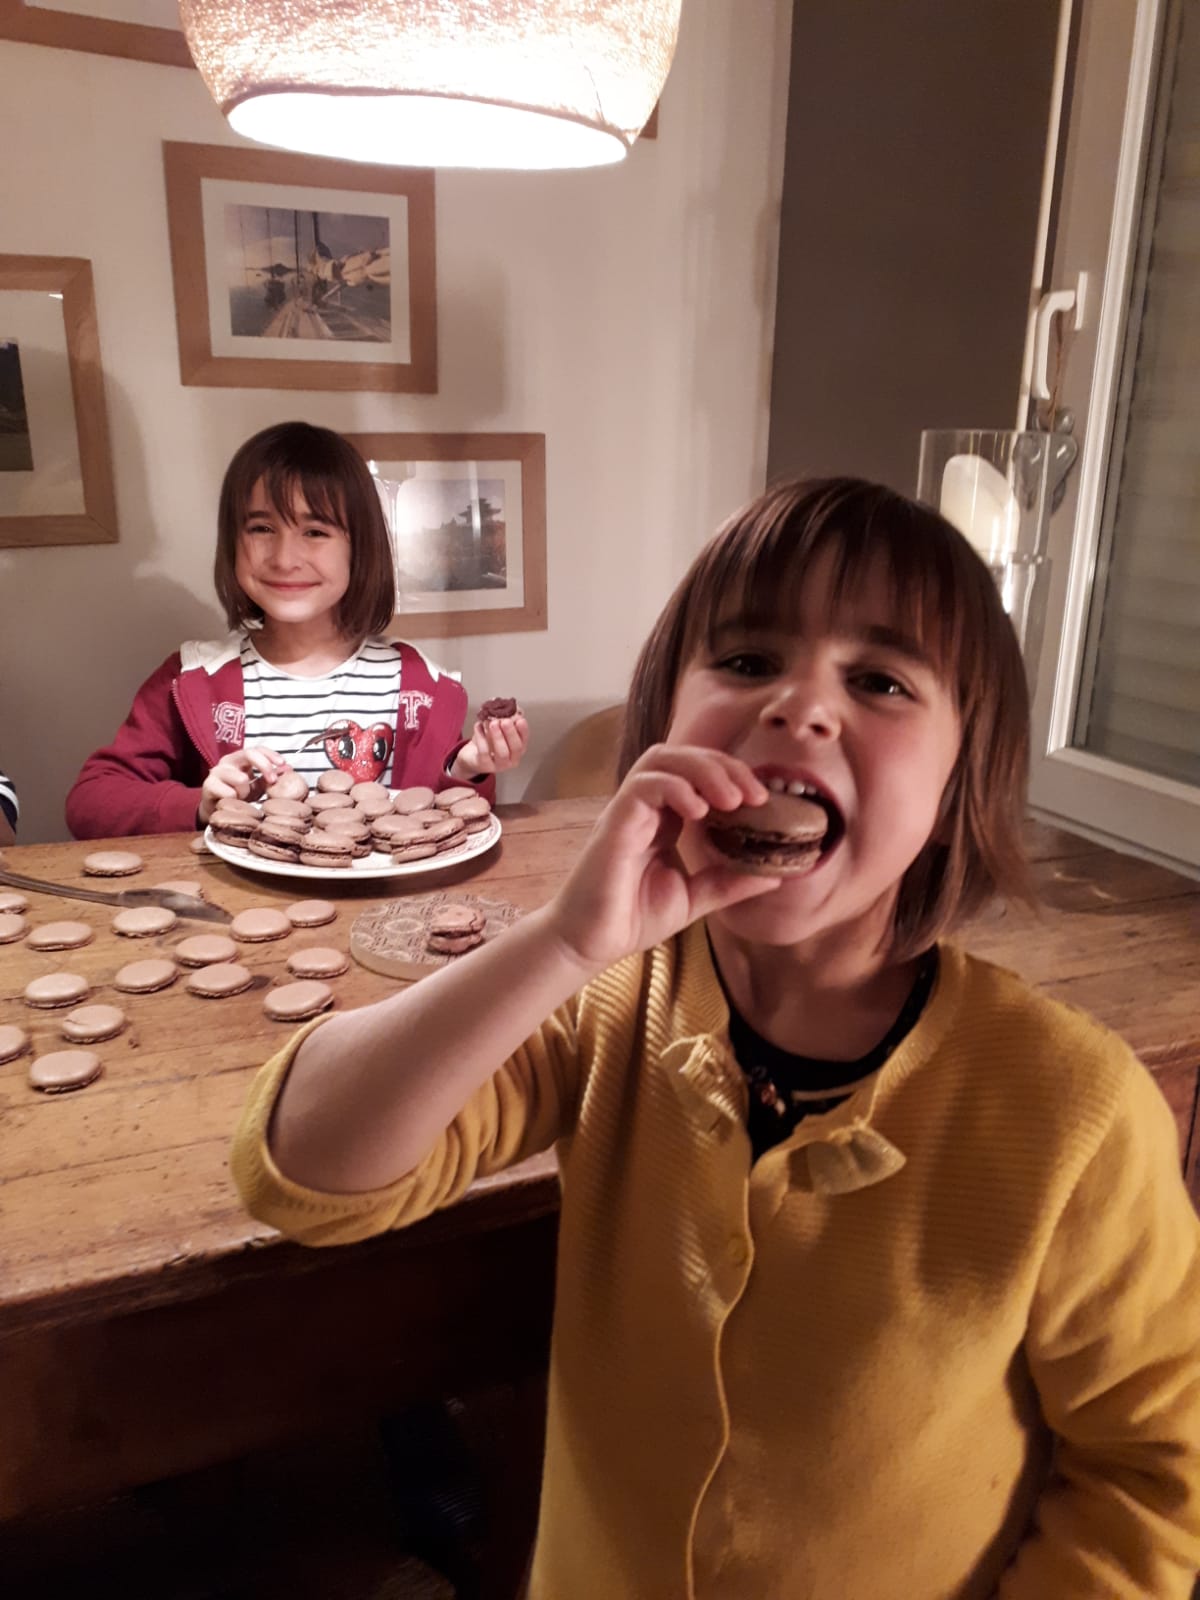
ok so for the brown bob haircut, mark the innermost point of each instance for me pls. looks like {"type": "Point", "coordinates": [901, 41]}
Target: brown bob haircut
{"type": "Point", "coordinates": [295, 459]}
{"type": "Point", "coordinates": [755, 568]}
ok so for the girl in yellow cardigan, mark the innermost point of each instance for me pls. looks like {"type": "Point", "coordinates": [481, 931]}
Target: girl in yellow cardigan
{"type": "Point", "coordinates": [877, 1277]}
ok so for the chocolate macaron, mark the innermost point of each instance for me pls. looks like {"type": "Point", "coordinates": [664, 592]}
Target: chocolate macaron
{"type": "Point", "coordinates": [782, 838]}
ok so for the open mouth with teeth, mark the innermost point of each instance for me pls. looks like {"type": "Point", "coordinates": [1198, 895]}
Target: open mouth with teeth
{"type": "Point", "coordinates": [785, 837]}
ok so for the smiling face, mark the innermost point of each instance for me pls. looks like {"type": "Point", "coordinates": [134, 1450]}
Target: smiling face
{"type": "Point", "coordinates": [840, 705]}
{"type": "Point", "coordinates": [294, 566]}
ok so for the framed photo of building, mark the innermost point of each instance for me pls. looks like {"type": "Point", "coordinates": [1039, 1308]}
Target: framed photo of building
{"type": "Point", "coordinates": [56, 483]}
{"type": "Point", "coordinates": [296, 272]}
{"type": "Point", "coordinates": [467, 514]}
{"type": "Point", "coordinates": [139, 30]}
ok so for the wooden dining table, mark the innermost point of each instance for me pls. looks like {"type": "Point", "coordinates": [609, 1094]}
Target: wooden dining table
{"type": "Point", "coordinates": [148, 1326]}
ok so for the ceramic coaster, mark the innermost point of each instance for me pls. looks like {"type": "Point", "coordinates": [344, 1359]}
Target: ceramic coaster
{"type": "Point", "coordinates": [310, 913]}
{"type": "Point", "coordinates": [259, 923]}
{"type": "Point", "coordinates": [57, 989]}
{"type": "Point", "coordinates": [61, 936]}
{"type": "Point", "coordinates": [11, 901]}
{"type": "Point", "coordinates": [394, 938]}
{"type": "Point", "coordinates": [14, 1042]}
{"type": "Point", "coordinates": [13, 926]}
{"type": "Point", "coordinates": [64, 1069]}
{"type": "Point", "coordinates": [321, 961]}
{"type": "Point", "coordinates": [204, 950]}
{"type": "Point", "coordinates": [220, 980]}
{"type": "Point", "coordinates": [112, 863]}
{"type": "Point", "coordinates": [90, 1024]}
{"type": "Point", "coordinates": [140, 922]}
{"type": "Point", "coordinates": [293, 1002]}
{"type": "Point", "coordinates": [145, 977]}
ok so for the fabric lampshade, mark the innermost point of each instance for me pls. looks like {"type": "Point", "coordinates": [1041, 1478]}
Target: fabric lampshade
{"type": "Point", "coordinates": [477, 83]}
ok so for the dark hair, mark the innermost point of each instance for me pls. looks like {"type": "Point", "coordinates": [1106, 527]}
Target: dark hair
{"type": "Point", "coordinates": [296, 458]}
{"type": "Point", "coordinates": [757, 564]}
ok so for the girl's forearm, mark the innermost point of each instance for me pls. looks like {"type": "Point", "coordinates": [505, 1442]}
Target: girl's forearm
{"type": "Point", "coordinates": [371, 1091]}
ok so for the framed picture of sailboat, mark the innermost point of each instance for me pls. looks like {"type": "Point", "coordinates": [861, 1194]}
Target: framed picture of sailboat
{"type": "Point", "coordinates": [294, 272]}
{"type": "Point", "coordinates": [56, 478]}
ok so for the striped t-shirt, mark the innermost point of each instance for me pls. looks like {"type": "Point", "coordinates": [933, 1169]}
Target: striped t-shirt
{"type": "Point", "coordinates": [353, 707]}
{"type": "Point", "coordinates": [8, 800]}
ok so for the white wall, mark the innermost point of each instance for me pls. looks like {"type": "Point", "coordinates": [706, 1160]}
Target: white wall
{"type": "Point", "coordinates": [626, 313]}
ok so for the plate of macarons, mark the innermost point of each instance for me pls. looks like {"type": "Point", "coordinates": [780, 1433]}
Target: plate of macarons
{"type": "Point", "coordinates": [344, 829]}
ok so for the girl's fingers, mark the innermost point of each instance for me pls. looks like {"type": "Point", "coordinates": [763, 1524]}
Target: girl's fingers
{"type": "Point", "coordinates": [725, 782]}
{"type": "Point", "coordinates": [716, 888]}
{"type": "Point", "coordinates": [497, 743]}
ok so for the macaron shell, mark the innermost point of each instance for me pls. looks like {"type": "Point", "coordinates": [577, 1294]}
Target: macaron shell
{"type": "Point", "coordinates": [11, 901]}
{"type": "Point", "coordinates": [220, 981]}
{"type": "Point", "coordinates": [62, 1070]}
{"type": "Point", "coordinates": [56, 989]}
{"type": "Point", "coordinates": [145, 977]}
{"type": "Point", "coordinates": [61, 936]}
{"type": "Point", "coordinates": [14, 1042]}
{"type": "Point", "coordinates": [319, 961]}
{"type": "Point", "coordinates": [90, 1024]}
{"type": "Point", "coordinates": [292, 1002]}
{"type": "Point", "coordinates": [260, 923]}
{"type": "Point", "coordinates": [13, 926]}
{"type": "Point", "coordinates": [204, 949]}
{"type": "Point", "coordinates": [142, 922]}
{"type": "Point", "coordinates": [310, 913]}
{"type": "Point", "coordinates": [112, 863]}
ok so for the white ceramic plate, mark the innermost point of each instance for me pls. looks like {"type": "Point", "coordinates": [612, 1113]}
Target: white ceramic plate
{"type": "Point", "coordinates": [376, 865]}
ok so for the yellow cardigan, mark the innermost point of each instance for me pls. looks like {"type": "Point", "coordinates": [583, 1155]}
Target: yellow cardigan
{"type": "Point", "coordinates": [944, 1341]}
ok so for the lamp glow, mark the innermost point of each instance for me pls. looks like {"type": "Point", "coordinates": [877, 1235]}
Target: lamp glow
{"type": "Point", "coordinates": [475, 83]}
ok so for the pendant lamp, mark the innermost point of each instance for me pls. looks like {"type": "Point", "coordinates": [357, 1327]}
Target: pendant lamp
{"type": "Point", "coordinates": [437, 83]}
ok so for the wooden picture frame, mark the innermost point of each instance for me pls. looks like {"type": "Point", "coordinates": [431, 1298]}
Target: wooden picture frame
{"type": "Point", "coordinates": [56, 479]}
{"type": "Point", "coordinates": [476, 485]}
{"type": "Point", "coordinates": [102, 36]}
{"type": "Point", "coordinates": [265, 300]}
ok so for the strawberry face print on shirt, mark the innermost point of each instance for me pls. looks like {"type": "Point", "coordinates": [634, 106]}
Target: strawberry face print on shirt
{"type": "Point", "coordinates": [362, 752]}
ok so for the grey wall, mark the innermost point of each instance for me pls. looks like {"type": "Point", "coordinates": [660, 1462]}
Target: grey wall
{"type": "Point", "coordinates": [915, 142]}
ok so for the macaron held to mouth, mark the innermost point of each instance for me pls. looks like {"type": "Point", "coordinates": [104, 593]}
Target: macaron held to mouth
{"type": "Point", "coordinates": [786, 836]}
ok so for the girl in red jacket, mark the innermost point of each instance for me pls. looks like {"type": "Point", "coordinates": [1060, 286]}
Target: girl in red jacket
{"type": "Point", "coordinates": [304, 571]}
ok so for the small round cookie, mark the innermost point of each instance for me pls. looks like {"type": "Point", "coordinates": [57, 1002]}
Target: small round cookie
{"type": "Point", "coordinates": [112, 863]}
{"type": "Point", "coordinates": [204, 949]}
{"type": "Point", "coordinates": [142, 922]}
{"type": "Point", "coordinates": [14, 1042]}
{"type": "Point", "coordinates": [234, 807]}
{"type": "Point", "coordinates": [454, 929]}
{"type": "Point", "coordinates": [258, 924]}
{"type": "Point", "coordinates": [56, 989]}
{"type": "Point", "coordinates": [189, 886]}
{"type": "Point", "coordinates": [62, 1070]}
{"type": "Point", "coordinates": [91, 1024]}
{"type": "Point", "coordinates": [331, 799]}
{"type": "Point", "coordinates": [275, 807]}
{"type": "Point", "coordinates": [335, 782]}
{"type": "Point", "coordinates": [471, 809]}
{"type": "Point", "coordinates": [369, 791]}
{"type": "Point", "coordinates": [271, 850]}
{"type": "Point", "coordinates": [445, 798]}
{"type": "Point", "coordinates": [424, 818]}
{"type": "Point", "coordinates": [324, 848]}
{"type": "Point", "coordinates": [310, 913]}
{"type": "Point", "coordinates": [61, 936]}
{"type": "Point", "coordinates": [282, 830]}
{"type": "Point", "coordinates": [219, 981]}
{"type": "Point", "coordinates": [319, 961]}
{"type": "Point", "coordinates": [232, 824]}
{"type": "Point", "coordinates": [12, 902]}
{"type": "Point", "coordinates": [371, 808]}
{"type": "Point", "coordinates": [447, 828]}
{"type": "Point", "coordinates": [145, 977]}
{"type": "Point", "coordinates": [290, 787]}
{"type": "Point", "coordinates": [199, 846]}
{"type": "Point", "coordinates": [397, 828]}
{"type": "Point", "coordinates": [412, 850]}
{"type": "Point", "coordinates": [13, 926]}
{"type": "Point", "coordinates": [405, 801]}
{"type": "Point", "coordinates": [347, 824]}
{"type": "Point", "coordinates": [292, 1002]}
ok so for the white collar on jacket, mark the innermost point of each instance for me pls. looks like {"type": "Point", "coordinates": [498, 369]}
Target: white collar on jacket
{"type": "Point", "coordinates": [213, 654]}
